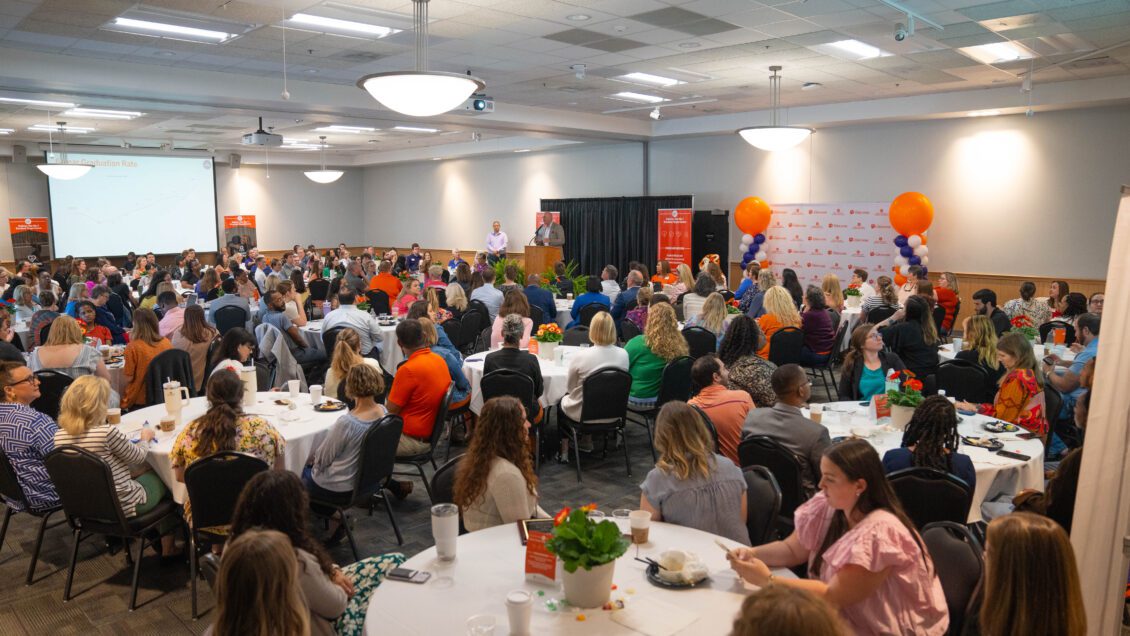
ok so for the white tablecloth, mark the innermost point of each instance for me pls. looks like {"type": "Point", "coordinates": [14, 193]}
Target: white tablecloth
{"type": "Point", "coordinates": [564, 306]}
{"type": "Point", "coordinates": [995, 474]}
{"type": "Point", "coordinates": [391, 355]}
{"type": "Point", "coordinates": [851, 315]}
{"type": "Point", "coordinates": [23, 333]}
{"type": "Point", "coordinates": [490, 563]}
{"type": "Point", "coordinates": [946, 352]}
{"type": "Point", "coordinates": [553, 375]}
{"type": "Point", "coordinates": [302, 435]}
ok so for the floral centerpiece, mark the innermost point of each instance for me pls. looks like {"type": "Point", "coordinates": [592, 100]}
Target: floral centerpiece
{"type": "Point", "coordinates": [588, 549]}
{"type": "Point", "coordinates": [8, 306]}
{"type": "Point", "coordinates": [548, 336]}
{"type": "Point", "coordinates": [85, 328]}
{"type": "Point", "coordinates": [364, 305]}
{"type": "Point", "coordinates": [732, 307]}
{"type": "Point", "coordinates": [1023, 324]}
{"type": "Point", "coordinates": [903, 397]}
{"type": "Point", "coordinates": [852, 296]}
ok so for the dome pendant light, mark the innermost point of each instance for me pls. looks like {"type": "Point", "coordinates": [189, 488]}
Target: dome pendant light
{"type": "Point", "coordinates": [420, 93]}
{"type": "Point", "coordinates": [774, 137]}
{"type": "Point", "coordinates": [323, 175]}
{"type": "Point", "coordinates": [62, 169]}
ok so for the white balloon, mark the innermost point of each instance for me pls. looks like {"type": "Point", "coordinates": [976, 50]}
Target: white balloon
{"type": "Point", "coordinates": [925, 261]}
{"type": "Point", "coordinates": [761, 255]}
{"type": "Point", "coordinates": [742, 249]}
{"type": "Point", "coordinates": [914, 240]}
{"type": "Point", "coordinates": [901, 260]}
{"type": "Point", "coordinates": [747, 239]}
{"type": "Point", "coordinates": [921, 250]}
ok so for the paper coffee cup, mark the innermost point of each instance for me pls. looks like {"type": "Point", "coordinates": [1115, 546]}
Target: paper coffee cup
{"type": "Point", "coordinates": [113, 416]}
{"type": "Point", "coordinates": [315, 394]}
{"type": "Point", "coordinates": [168, 423]}
{"type": "Point", "coordinates": [640, 521]}
{"type": "Point", "coordinates": [293, 386]}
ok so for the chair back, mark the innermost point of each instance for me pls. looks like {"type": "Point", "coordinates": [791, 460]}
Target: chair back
{"type": "Point", "coordinates": [209, 362]}
{"type": "Point", "coordinates": [575, 337]}
{"type": "Point", "coordinates": [835, 316]}
{"type": "Point", "coordinates": [629, 330]}
{"type": "Point", "coordinates": [838, 350]}
{"type": "Point", "coordinates": [761, 450]}
{"type": "Point", "coordinates": [171, 364]}
{"type": "Point", "coordinates": [52, 386]}
{"type": "Point", "coordinates": [965, 380]}
{"type": "Point", "coordinates": [10, 484]}
{"type": "Point", "coordinates": [928, 495]}
{"type": "Point", "coordinates": [879, 314]}
{"type": "Point", "coordinates": [479, 307]}
{"type": "Point", "coordinates": [378, 456]}
{"type": "Point", "coordinates": [727, 295]}
{"type": "Point", "coordinates": [1052, 325]}
{"type": "Point", "coordinates": [763, 504]}
{"type": "Point", "coordinates": [441, 294]}
{"type": "Point", "coordinates": [440, 421]}
{"type": "Point", "coordinates": [45, 331]}
{"type": "Point", "coordinates": [454, 331]}
{"type": "Point", "coordinates": [378, 302]}
{"type": "Point", "coordinates": [785, 346]}
{"type": "Point", "coordinates": [700, 341]}
{"type": "Point", "coordinates": [1053, 404]}
{"type": "Point", "coordinates": [471, 325]}
{"type": "Point", "coordinates": [709, 423]}
{"type": "Point", "coordinates": [537, 316]}
{"type": "Point", "coordinates": [512, 383]}
{"type": "Point", "coordinates": [443, 482]}
{"type": "Point", "coordinates": [214, 484]}
{"type": "Point", "coordinates": [958, 560]}
{"type": "Point", "coordinates": [329, 341]}
{"type": "Point", "coordinates": [319, 289]}
{"type": "Point", "coordinates": [230, 317]}
{"type": "Point", "coordinates": [675, 384]}
{"type": "Point", "coordinates": [86, 490]}
{"type": "Point", "coordinates": [604, 395]}
{"type": "Point", "coordinates": [589, 311]}
{"type": "Point", "coordinates": [939, 317]}
{"type": "Point", "coordinates": [212, 295]}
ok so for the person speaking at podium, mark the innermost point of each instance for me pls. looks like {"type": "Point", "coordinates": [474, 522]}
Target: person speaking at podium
{"type": "Point", "coordinates": [549, 233]}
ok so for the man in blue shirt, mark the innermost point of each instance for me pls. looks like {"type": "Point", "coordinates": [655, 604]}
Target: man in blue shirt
{"type": "Point", "coordinates": [456, 258]}
{"type": "Point", "coordinates": [541, 298]}
{"type": "Point", "coordinates": [624, 298]}
{"type": "Point", "coordinates": [412, 260]}
{"type": "Point", "coordinates": [592, 295]}
{"type": "Point", "coordinates": [26, 435]}
{"type": "Point", "coordinates": [1086, 347]}
{"type": "Point", "coordinates": [99, 296]}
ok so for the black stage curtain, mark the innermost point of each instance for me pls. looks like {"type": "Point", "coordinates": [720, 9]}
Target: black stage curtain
{"type": "Point", "coordinates": [613, 230]}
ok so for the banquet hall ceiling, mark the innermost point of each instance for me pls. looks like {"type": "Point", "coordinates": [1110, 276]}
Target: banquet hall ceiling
{"type": "Point", "coordinates": [527, 51]}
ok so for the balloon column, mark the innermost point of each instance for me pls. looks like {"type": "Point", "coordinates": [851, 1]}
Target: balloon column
{"type": "Point", "coordinates": [911, 214]}
{"type": "Point", "coordinates": [752, 218]}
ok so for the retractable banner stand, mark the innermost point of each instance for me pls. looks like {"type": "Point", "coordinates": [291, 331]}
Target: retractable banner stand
{"type": "Point", "coordinates": [675, 236]}
{"type": "Point", "coordinates": [243, 226]}
{"type": "Point", "coordinates": [817, 238]}
{"type": "Point", "coordinates": [31, 236]}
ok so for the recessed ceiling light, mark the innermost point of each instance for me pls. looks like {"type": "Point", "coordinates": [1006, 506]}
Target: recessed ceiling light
{"type": "Point", "coordinates": [811, 86]}
{"type": "Point", "coordinates": [158, 28]}
{"type": "Point", "coordinates": [638, 97]}
{"type": "Point", "coordinates": [984, 113]}
{"type": "Point", "coordinates": [648, 78]}
{"type": "Point", "coordinates": [353, 130]}
{"type": "Point", "coordinates": [36, 102]}
{"type": "Point", "coordinates": [54, 128]}
{"type": "Point", "coordinates": [347, 26]}
{"type": "Point", "coordinates": [860, 50]}
{"type": "Point", "coordinates": [997, 52]}
{"type": "Point", "coordinates": [689, 45]}
{"type": "Point", "coordinates": [100, 113]}
{"type": "Point", "coordinates": [437, 158]}
{"type": "Point", "coordinates": [415, 129]}
{"type": "Point", "coordinates": [578, 17]}
{"type": "Point", "coordinates": [523, 150]}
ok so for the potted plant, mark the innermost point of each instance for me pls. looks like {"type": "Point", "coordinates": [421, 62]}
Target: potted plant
{"type": "Point", "coordinates": [852, 296]}
{"type": "Point", "coordinates": [1023, 324]}
{"type": "Point", "coordinates": [903, 398]}
{"type": "Point", "coordinates": [588, 550]}
{"type": "Point", "coordinates": [547, 337]}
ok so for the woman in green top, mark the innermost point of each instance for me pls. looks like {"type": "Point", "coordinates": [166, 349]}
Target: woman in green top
{"type": "Point", "coordinates": [661, 343]}
{"type": "Point", "coordinates": [866, 365]}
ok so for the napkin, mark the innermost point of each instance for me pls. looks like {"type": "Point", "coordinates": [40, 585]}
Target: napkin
{"type": "Point", "coordinates": [654, 618]}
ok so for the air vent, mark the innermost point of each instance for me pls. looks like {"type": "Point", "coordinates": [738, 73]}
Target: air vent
{"type": "Point", "coordinates": [1093, 62]}
{"type": "Point", "coordinates": [357, 57]}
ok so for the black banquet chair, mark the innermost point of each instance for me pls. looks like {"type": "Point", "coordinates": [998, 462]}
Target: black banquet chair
{"type": "Point", "coordinates": [90, 502]}
{"type": "Point", "coordinates": [378, 302]}
{"type": "Point", "coordinates": [1050, 326]}
{"type": "Point", "coordinates": [52, 386]}
{"type": "Point", "coordinates": [675, 384]}
{"type": "Point", "coordinates": [171, 364]}
{"type": "Point", "coordinates": [589, 311]}
{"type": "Point", "coordinates": [928, 495]}
{"type": "Point", "coordinates": [604, 409]}
{"type": "Point", "coordinates": [518, 385]}
{"type": "Point", "coordinates": [965, 380]}
{"type": "Point", "coordinates": [763, 504]}
{"type": "Point", "coordinates": [443, 486]}
{"type": "Point", "coordinates": [761, 450]}
{"type": "Point", "coordinates": [428, 457]}
{"type": "Point", "coordinates": [700, 341]}
{"type": "Point", "coordinates": [785, 346]}
{"type": "Point", "coordinates": [959, 563]}
{"type": "Point", "coordinates": [629, 330]}
{"type": "Point", "coordinates": [575, 337]}
{"type": "Point", "coordinates": [12, 491]}
{"type": "Point", "coordinates": [228, 318]}
{"type": "Point", "coordinates": [329, 340]}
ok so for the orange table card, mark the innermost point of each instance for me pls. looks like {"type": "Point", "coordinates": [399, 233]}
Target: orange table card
{"type": "Point", "coordinates": [541, 565]}
{"type": "Point", "coordinates": [879, 407]}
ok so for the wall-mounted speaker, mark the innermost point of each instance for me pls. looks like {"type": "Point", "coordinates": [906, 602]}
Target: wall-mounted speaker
{"type": "Point", "coordinates": [233, 161]}
{"type": "Point", "coordinates": [19, 154]}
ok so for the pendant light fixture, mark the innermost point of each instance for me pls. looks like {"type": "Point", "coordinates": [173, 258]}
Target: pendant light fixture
{"type": "Point", "coordinates": [774, 137]}
{"type": "Point", "coordinates": [323, 175]}
{"type": "Point", "coordinates": [420, 93]}
{"type": "Point", "coordinates": [62, 169]}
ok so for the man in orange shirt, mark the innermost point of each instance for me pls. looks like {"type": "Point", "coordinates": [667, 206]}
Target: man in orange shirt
{"type": "Point", "coordinates": [385, 281]}
{"type": "Point", "coordinates": [416, 395]}
{"type": "Point", "coordinates": [727, 409]}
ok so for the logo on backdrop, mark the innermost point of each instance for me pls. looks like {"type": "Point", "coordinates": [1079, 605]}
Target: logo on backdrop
{"type": "Point", "coordinates": [806, 230]}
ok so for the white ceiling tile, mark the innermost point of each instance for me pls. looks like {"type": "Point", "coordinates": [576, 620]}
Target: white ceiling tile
{"type": "Point", "coordinates": [756, 17]}
{"type": "Point", "coordinates": [720, 8]}
{"type": "Point", "coordinates": [789, 27]}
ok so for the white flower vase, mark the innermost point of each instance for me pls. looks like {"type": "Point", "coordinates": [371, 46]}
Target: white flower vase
{"type": "Point", "coordinates": [589, 588]}
{"type": "Point", "coordinates": [852, 301]}
{"type": "Point", "coordinates": [900, 416]}
{"type": "Point", "coordinates": [546, 349]}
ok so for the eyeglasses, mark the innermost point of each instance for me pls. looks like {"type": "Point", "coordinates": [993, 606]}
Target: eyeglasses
{"type": "Point", "coordinates": [875, 336]}
{"type": "Point", "coordinates": [31, 378]}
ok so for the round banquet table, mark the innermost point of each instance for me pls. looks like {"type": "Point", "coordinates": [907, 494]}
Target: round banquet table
{"type": "Point", "coordinates": [302, 435]}
{"type": "Point", "coordinates": [946, 352]}
{"type": "Point", "coordinates": [564, 306]}
{"type": "Point", "coordinates": [996, 475]}
{"type": "Point", "coordinates": [490, 563]}
{"type": "Point", "coordinates": [391, 355]}
{"type": "Point", "coordinates": [553, 375]}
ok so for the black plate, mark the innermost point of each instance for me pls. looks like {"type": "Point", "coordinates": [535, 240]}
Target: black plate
{"type": "Point", "coordinates": [997, 444]}
{"type": "Point", "coordinates": [997, 426]}
{"type": "Point", "coordinates": [329, 407]}
{"type": "Point", "coordinates": [653, 577]}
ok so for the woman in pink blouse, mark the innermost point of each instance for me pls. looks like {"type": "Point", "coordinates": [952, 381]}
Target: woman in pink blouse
{"type": "Point", "coordinates": [864, 555]}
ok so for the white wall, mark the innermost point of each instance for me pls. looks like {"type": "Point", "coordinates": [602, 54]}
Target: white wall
{"type": "Point", "coordinates": [452, 203]}
{"type": "Point", "coordinates": [23, 192]}
{"type": "Point", "coordinates": [1012, 195]}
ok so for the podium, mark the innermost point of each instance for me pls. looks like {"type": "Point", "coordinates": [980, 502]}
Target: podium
{"type": "Point", "coordinates": [540, 258]}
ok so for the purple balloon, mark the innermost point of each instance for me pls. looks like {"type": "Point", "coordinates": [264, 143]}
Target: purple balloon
{"type": "Point", "coordinates": [752, 249]}
{"type": "Point", "coordinates": [900, 241]}
{"type": "Point", "coordinates": [924, 272]}
{"type": "Point", "coordinates": [914, 260]}
{"type": "Point", "coordinates": [907, 252]}
{"type": "Point", "coordinates": [758, 239]}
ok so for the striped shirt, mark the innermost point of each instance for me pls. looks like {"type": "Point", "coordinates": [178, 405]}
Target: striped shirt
{"type": "Point", "coordinates": [26, 436]}
{"type": "Point", "coordinates": [110, 444]}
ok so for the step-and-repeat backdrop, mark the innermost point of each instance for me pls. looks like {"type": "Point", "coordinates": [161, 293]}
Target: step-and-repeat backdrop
{"type": "Point", "coordinates": [819, 238]}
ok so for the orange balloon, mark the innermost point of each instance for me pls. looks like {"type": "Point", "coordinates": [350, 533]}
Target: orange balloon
{"type": "Point", "coordinates": [766, 264]}
{"type": "Point", "coordinates": [923, 236]}
{"type": "Point", "coordinates": [752, 215]}
{"type": "Point", "coordinates": [911, 213]}
{"type": "Point", "coordinates": [900, 280]}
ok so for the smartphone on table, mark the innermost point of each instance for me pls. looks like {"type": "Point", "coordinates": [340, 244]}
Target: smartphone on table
{"type": "Point", "coordinates": [409, 576]}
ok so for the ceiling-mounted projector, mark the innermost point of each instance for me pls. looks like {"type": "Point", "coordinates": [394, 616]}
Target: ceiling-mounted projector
{"type": "Point", "coordinates": [262, 138]}
{"type": "Point", "coordinates": [477, 104]}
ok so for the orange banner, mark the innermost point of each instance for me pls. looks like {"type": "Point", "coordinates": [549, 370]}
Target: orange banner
{"type": "Point", "coordinates": [28, 224]}
{"type": "Point", "coordinates": [239, 221]}
{"type": "Point", "coordinates": [675, 236]}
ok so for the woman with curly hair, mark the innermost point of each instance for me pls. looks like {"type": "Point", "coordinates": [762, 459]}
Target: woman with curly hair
{"type": "Point", "coordinates": [336, 597]}
{"type": "Point", "coordinates": [650, 352]}
{"type": "Point", "coordinates": [780, 312]}
{"type": "Point", "coordinates": [931, 441]}
{"type": "Point", "coordinates": [747, 371]}
{"type": "Point", "coordinates": [495, 483]}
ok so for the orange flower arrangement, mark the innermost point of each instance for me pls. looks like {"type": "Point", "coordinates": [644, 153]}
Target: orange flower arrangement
{"type": "Point", "coordinates": [549, 332]}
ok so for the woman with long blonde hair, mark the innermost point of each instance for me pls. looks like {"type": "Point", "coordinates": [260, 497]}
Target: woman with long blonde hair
{"type": "Point", "coordinates": [716, 274]}
{"type": "Point", "coordinates": [66, 352]}
{"type": "Point", "coordinates": [346, 355]}
{"type": "Point", "coordinates": [980, 347]}
{"type": "Point", "coordinates": [712, 317]}
{"type": "Point", "coordinates": [833, 294]}
{"type": "Point", "coordinates": [753, 303]}
{"type": "Point", "coordinates": [456, 299]}
{"type": "Point", "coordinates": [684, 284]}
{"type": "Point", "coordinates": [257, 592]}
{"type": "Point", "coordinates": [649, 353]}
{"type": "Point", "coordinates": [691, 485]}
{"type": "Point", "coordinates": [780, 312]}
